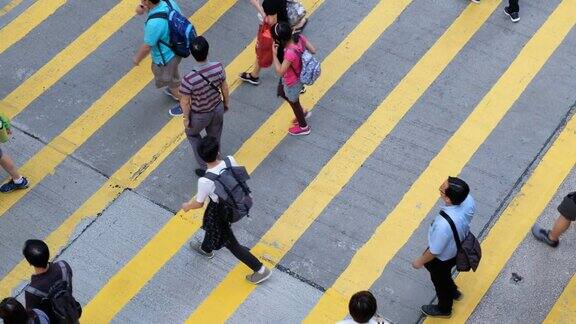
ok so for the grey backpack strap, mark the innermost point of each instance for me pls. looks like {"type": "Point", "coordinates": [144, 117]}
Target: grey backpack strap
{"type": "Point", "coordinates": [64, 271]}
{"type": "Point", "coordinates": [35, 292]}
{"type": "Point", "coordinates": [210, 176]}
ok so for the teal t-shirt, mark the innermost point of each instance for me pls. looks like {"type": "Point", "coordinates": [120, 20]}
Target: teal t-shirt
{"type": "Point", "coordinates": [157, 29]}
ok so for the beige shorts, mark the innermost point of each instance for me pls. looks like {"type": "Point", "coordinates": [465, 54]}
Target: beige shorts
{"type": "Point", "coordinates": [167, 75]}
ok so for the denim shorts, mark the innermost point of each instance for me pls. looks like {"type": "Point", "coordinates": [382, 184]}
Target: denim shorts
{"type": "Point", "coordinates": [293, 92]}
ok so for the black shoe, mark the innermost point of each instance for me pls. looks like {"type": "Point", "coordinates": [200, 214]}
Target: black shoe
{"type": "Point", "coordinates": [434, 311]}
{"type": "Point", "coordinates": [11, 185]}
{"type": "Point", "coordinates": [513, 15]}
{"type": "Point", "coordinates": [200, 172]}
{"type": "Point", "coordinates": [457, 295]}
{"type": "Point", "coordinates": [543, 235]}
{"type": "Point", "coordinates": [247, 77]}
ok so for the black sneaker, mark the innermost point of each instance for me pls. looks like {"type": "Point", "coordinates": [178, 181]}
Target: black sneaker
{"type": "Point", "coordinates": [247, 77]}
{"type": "Point", "coordinates": [457, 295]}
{"type": "Point", "coordinates": [513, 15]}
{"type": "Point", "coordinates": [200, 172]}
{"type": "Point", "coordinates": [543, 235]}
{"type": "Point", "coordinates": [11, 186]}
{"type": "Point", "coordinates": [434, 311]}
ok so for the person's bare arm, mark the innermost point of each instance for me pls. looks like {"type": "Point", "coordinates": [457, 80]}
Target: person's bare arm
{"type": "Point", "coordinates": [310, 47]}
{"type": "Point", "coordinates": [185, 105]}
{"type": "Point", "coordinates": [256, 4]}
{"type": "Point", "coordinates": [280, 68]}
{"type": "Point", "coordinates": [225, 95]}
{"type": "Point", "coordinates": [143, 51]}
{"type": "Point", "coordinates": [192, 204]}
{"type": "Point", "coordinates": [426, 257]}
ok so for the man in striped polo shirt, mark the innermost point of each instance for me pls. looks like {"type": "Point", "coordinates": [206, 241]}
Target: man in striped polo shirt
{"type": "Point", "coordinates": [204, 99]}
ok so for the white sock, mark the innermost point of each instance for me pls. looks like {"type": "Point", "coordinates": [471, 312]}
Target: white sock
{"type": "Point", "coordinates": [18, 181]}
{"type": "Point", "coordinates": [262, 270]}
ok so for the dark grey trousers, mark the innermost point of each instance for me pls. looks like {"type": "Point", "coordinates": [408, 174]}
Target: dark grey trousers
{"type": "Point", "coordinates": [212, 122]}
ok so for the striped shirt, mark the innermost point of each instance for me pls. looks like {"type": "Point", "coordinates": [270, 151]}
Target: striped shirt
{"type": "Point", "coordinates": [203, 96]}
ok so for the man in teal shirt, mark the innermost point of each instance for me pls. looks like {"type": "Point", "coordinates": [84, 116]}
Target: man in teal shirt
{"type": "Point", "coordinates": [164, 61]}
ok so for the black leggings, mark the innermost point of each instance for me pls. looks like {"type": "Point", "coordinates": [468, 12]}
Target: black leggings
{"type": "Point", "coordinates": [241, 253]}
{"type": "Point", "coordinates": [513, 6]}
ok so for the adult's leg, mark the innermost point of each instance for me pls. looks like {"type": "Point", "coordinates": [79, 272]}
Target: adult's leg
{"type": "Point", "coordinates": [214, 129]}
{"type": "Point", "coordinates": [256, 71]}
{"type": "Point", "coordinates": [8, 165]}
{"type": "Point", "coordinates": [174, 76]}
{"type": "Point", "coordinates": [198, 122]}
{"type": "Point", "coordinates": [513, 6]}
{"type": "Point", "coordinates": [441, 275]}
{"type": "Point", "coordinates": [243, 254]}
{"type": "Point", "coordinates": [560, 226]}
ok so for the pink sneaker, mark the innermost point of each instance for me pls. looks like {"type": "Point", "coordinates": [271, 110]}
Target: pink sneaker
{"type": "Point", "coordinates": [307, 115]}
{"type": "Point", "coordinates": [297, 130]}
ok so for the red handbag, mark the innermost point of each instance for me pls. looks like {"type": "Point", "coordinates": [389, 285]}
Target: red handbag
{"type": "Point", "coordinates": [264, 43]}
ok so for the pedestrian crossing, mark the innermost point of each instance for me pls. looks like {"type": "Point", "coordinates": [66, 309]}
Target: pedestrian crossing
{"type": "Point", "coordinates": [389, 236]}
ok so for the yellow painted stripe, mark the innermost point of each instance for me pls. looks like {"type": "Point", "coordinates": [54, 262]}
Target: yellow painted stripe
{"type": "Point", "coordinates": [520, 215]}
{"type": "Point", "coordinates": [68, 58]}
{"type": "Point", "coordinates": [128, 176]}
{"type": "Point", "coordinates": [26, 21]}
{"type": "Point", "coordinates": [125, 284]}
{"type": "Point", "coordinates": [96, 116]}
{"type": "Point", "coordinates": [337, 172]}
{"type": "Point", "coordinates": [369, 262]}
{"type": "Point", "coordinates": [9, 6]}
{"type": "Point", "coordinates": [564, 310]}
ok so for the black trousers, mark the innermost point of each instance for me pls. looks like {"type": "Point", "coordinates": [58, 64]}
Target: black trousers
{"type": "Point", "coordinates": [513, 6]}
{"type": "Point", "coordinates": [441, 275]}
{"type": "Point", "coordinates": [241, 252]}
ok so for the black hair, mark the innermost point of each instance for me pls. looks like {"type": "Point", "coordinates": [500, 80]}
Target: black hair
{"type": "Point", "coordinates": [208, 149]}
{"type": "Point", "coordinates": [282, 33]}
{"type": "Point", "coordinates": [155, 1]}
{"type": "Point", "coordinates": [12, 311]}
{"type": "Point", "coordinates": [269, 8]}
{"type": "Point", "coordinates": [199, 48]}
{"type": "Point", "coordinates": [362, 306]}
{"type": "Point", "coordinates": [457, 190]}
{"type": "Point", "coordinates": [36, 253]}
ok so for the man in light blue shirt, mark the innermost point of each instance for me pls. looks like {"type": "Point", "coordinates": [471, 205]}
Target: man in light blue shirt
{"type": "Point", "coordinates": [156, 37]}
{"type": "Point", "coordinates": [440, 256]}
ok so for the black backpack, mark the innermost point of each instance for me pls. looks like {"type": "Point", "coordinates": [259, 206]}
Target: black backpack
{"type": "Point", "coordinates": [61, 306]}
{"type": "Point", "coordinates": [232, 190]}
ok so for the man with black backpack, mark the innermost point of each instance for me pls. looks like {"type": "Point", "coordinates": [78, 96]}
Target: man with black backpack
{"type": "Point", "coordinates": [441, 255]}
{"type": "Point", "coordinates": [224, 185]}
{"type": "Point", "coordinates": [50, 288]}
{"type": "Point", "coordinates": [159, 34]}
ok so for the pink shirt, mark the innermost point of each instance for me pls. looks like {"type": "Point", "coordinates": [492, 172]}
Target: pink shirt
{"type": "Point", "coordinates": [293, 53]}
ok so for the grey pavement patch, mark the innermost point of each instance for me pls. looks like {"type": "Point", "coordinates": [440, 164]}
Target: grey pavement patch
{"type": "Point", "coordinates": [14, 12]}
{"type": "Point", "coordinates": [545, 271]}
{"type": "Point", "coordinates": [25, 57]}
{"type": "Point", "coordinates": [111, 241]}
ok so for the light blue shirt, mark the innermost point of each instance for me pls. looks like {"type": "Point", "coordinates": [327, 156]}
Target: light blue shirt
{"type": "Point", "coordinates": [157, 29]}
{"type": "Point", "coordinates": [440, 238]}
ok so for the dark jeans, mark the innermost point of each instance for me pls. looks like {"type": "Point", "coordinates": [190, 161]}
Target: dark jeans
{"type": "Point", "coordinates": [513, 6]}
{"type": "Point", "coordinates": [441, 275]}
{"type": "Point", "coordinates": [296, 107]}
{"type": "Point", "coordinates": [241, 253]}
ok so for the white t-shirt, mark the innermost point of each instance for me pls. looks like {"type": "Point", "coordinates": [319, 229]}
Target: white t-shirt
{"type": "Point", "coordinates": [206, 187]}
{"type": "Point", "coordinates": [373, 320]}
{"type": "Point", "coordinates": [440, 238]}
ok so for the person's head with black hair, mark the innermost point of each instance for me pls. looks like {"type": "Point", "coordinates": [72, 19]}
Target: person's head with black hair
{"type": "Point", "coordinates": [282, 33]}
{"type": "Point", "coordinates": [37, 253]}
{"type": "Point", "coordinates": [454, 191]}
{"type": "Point", "coordinates": [12, 311]}
{"type": "Point", "coordinates": [208, 149]}
{"type": "Point", "coordinates": [199, 48]}
{"type": "Point", "coordinates": [362, 306]}
{"type": "Point", "coordinates": [150, 3]}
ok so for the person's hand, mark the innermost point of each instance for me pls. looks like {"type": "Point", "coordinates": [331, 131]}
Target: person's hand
{"type": "Point", "coordinates": [226, 108]}
{"type": "Point", "coordinates": [275, 49]}
{"type": "Point", "coordinates": [135, 61]}
{"type": "Point", "coordinates": [8, 131]}
{"type": "Point", "coordinates": [140, 9]}
{"type": "Point", "coordinates": [417, 264]}
{"type": "Point", "coordinates": [186, 121]}
{"type": "Point", "coordinates": [186, 206]}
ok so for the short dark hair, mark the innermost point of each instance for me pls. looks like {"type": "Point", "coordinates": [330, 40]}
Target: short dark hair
{"type": "Point", "coordinates": [362, 306]}
{"type": "Point", "coordinates": [457, 190]}
{"type": "Point", "coordinates": [270, 7]}
{"type": "Point", "coordinates": [154, 1]}
{"type": "Point", "coordinates": [12, 311]}
{"type": "Point", "coordinates": [199, 48]}
{"type": "Point", "coordinates": [208, 149]}
{"type": "Point", "coordinates": [36, 253]}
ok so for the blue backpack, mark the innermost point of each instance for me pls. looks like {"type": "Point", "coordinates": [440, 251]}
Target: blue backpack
{"type": "Point", "coordinates": [182, 32]}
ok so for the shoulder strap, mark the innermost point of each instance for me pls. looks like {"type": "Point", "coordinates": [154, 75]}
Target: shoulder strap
{"type": "Point", "coordinates": [64, 271]}
{"type": "Point", "coordinates": [169, 4]}
{"type": "Point", "coordinates": [454, 231]}
{"type": "Point", "coordinates": [207, 80]}
{"type": "Point", "coordinates": [161, 15]}
{"type": "Point", "coordinates": [35, 292]}
{"type": "Point", "coordinates": [210, 176]}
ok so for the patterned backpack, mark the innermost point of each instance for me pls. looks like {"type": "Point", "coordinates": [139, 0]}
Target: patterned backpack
{"type": "Point", "coordinates": [310, 68]}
